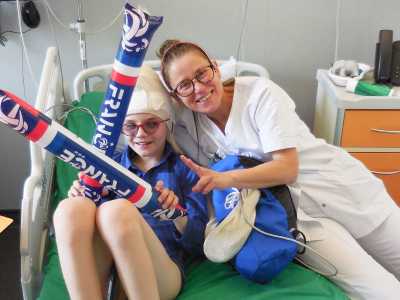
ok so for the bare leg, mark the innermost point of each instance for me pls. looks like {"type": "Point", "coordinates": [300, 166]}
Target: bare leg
{"type": "Point", "coordinates": [104, 261]}
{"type": "Point", "coordinates": [85, 259]}
{"type": "Point", "coordinates": [144, 267]}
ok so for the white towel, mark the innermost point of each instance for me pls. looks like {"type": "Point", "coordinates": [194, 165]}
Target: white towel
{"type": "Point", "coordinates": [225, 239]}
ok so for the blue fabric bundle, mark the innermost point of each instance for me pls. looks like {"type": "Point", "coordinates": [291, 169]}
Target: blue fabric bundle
{"type": "Point", "coordinates": [262, 257]}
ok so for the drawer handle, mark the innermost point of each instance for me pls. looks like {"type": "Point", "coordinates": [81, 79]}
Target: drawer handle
{"type": "Point", "coordinates": [385, 131]}
{"type": "Point", "coordinates": [386, 173]}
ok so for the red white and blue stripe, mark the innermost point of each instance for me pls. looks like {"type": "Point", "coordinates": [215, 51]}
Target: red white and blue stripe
{"type": "Point", "coordinates": [61, 142]}
{"type": "Point", "coordinates": [138, 29]}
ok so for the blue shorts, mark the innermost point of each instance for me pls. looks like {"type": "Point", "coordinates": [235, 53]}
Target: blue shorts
{"type": "Point", "coordinates": [167, 234]}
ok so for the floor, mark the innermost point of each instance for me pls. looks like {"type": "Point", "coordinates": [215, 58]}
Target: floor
{"type": "Point", "coordinates": [10, 288]}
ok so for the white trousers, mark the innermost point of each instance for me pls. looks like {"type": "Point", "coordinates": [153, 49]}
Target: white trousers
{"type": "Point", "coordinates": [367, 268]}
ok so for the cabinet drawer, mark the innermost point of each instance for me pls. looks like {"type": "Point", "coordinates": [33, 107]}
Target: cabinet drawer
{"type": "Point", "coordinates": [386, 166]}
{"type": "Point", "coordinates": [371, 128]}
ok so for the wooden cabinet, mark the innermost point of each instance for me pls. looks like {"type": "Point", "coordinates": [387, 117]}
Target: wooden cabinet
{"type": "Point", "coordinates": [367, 127]}
{"type": "Point", "coordinates": [371, 128]}
{"type": "Point", "coordinates": [385, 165]}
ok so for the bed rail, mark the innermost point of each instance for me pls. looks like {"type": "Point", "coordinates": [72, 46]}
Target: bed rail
{"type": "Point", "coordinates": [37, 187]}
{"type": "Point", "coordinates": [229, 68]}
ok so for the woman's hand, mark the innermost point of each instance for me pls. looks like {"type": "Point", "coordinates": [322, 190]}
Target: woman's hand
{"type": "Point", "coordinates": [282, 169]}
{"type": "Point", "coordinates": [167, 197]}
{"type": "Point", "coordinates": [208, 179]}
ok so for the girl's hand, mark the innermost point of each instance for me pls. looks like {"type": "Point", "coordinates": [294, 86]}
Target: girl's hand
{"type": "Point", "coordinates": [209, 179]}
{"type": "Point", "coordinates": [180, 223]}
{"type": "Point", "coordinates": [167, 197]}
{"type": "Point", "coordinates": [76, 189]}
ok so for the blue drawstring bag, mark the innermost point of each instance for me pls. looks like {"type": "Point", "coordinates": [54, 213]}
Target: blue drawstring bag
{"type": "Point", "coordinates": [262, 257]}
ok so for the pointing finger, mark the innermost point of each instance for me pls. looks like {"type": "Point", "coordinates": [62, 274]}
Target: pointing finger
{"type": "Point", "coordinates": [191, 165]}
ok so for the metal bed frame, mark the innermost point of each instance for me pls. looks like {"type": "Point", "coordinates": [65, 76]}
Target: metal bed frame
{"type": "Point", "coordinates": [37, 190]}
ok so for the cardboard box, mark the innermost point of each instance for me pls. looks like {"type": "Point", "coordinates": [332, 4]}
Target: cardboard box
{"type": "Point", "coordinates": [4, 223]}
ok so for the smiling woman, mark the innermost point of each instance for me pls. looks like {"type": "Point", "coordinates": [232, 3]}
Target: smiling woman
{"type": "Point", "coordinates": [339, 200]}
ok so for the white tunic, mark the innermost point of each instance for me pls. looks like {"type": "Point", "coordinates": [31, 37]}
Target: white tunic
{"type": "Point", "coordinates": [263, 119]}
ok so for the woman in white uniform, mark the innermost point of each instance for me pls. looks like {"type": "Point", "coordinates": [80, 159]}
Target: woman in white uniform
{"type": "Point", "coordinates": [344, 211]}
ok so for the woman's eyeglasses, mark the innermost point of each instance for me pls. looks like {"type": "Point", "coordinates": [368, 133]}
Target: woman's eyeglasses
{"type": "Point", "coordinates": [185, 88]}
{"type": "Point", "coordinates": [149, 127]}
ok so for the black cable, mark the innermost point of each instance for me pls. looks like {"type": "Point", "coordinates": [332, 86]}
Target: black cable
{"type": "Point", "coordinates": [196, 124]}
{"type": "Point", "coordinates": [22, 71]}
{"type": "Point", "coordinates": [58, 51]}
{"type": "Point", "coordinates": [244, 21]}
{"type": "Point", "coordinates": [3, 38]}
{"type": "Point", "coordinates": [17, 32]}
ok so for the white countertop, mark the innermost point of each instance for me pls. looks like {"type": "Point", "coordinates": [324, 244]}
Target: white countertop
{"type": "Point", "coordinates": [349, 100]}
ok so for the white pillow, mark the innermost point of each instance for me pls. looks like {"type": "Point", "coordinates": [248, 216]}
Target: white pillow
{"type": "Point", "coordinates": [228, 69]}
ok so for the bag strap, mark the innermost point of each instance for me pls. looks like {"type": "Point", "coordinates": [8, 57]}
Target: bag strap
{"type": "Point", "coordinates": [280, 192]}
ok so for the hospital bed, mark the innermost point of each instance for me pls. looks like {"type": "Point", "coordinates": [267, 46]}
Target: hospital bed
{"type": "Point", "coordinates": [50, 180]}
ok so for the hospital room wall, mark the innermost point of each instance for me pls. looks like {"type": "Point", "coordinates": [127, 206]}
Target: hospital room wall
{"type": "Point", "coordinates": [292, 39]}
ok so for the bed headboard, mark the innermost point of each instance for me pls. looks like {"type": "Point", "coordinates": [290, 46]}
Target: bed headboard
{"type": "Point", "coordinates": [100, 75]}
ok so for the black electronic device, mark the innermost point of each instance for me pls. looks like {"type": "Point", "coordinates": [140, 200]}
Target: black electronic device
{"type": "Point", "coordinates": [387, 59]}
{"type": "Point", "coordinates": [383, 57]}
{"type": "Point", "coordinates": [395, 76]}
{"type": "Point", "coordinates": [30, 14]}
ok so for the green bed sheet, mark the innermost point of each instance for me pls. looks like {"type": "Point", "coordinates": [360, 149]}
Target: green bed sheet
{"type": "Point", "coordinates": [205, 280]}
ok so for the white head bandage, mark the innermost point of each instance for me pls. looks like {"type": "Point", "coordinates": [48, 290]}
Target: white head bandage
{"type": "Point", "coordinates": [150, 96]}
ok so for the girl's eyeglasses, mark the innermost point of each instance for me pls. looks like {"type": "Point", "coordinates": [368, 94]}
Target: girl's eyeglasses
{"type": "Point", "coordinates": [149, 127]}
{"type": "Point", "coordinates": [185, 88]}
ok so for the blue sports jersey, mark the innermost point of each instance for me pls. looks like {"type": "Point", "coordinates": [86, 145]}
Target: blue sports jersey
{"type": "Point", "coordinates": [180, 179]}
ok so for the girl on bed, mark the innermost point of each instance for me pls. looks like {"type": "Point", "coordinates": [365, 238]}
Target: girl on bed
{"type": "Point", "coordinates": [344, 211]}
{"type": "Point", "coordinates": [149, 254]}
